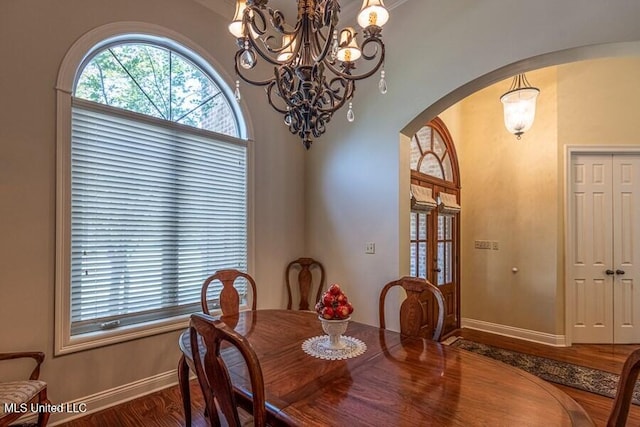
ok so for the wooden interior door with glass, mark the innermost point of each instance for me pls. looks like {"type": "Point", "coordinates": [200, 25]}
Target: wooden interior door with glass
{"type": "Point", "coordinates": [435, 226]}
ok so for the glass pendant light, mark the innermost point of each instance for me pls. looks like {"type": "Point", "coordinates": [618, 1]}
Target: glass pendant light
{"type": "Point", "coordinates": [519, 105]}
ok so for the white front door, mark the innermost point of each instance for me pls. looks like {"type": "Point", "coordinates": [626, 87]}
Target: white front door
{"type": "Point", "coordinates": [604, 229]}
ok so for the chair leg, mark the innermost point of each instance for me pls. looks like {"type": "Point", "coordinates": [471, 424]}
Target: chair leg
{"type": "Point", "coordinates": [183, 379]}
{"type": "Point", "coordinates": [43, 416]}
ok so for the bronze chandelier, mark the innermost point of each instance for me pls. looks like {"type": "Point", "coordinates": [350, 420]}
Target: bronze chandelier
{"type": "Point", "coordinates": [313, 62]}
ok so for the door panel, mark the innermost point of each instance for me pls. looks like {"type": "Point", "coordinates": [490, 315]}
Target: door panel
{"type": "Point", "coordinates": [591, 234]}
{"type": "Point", "coordinates": [434, 257]}
{"type": "Point", "coordinates": [444, 267]}
{"type": "Point", "coordinates": [626, 262]}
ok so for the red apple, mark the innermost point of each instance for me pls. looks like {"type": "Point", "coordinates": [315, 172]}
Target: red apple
{"type": "Point", "coordinates": [327, 313]}
{"type": "Point", "coordinates": [349, 307]}
{"type": "Point", "coordinates": [328, 299]}
{"type": "Point", "coordinates": [335, 289]}
{"type": "Point", "coordinates": [342, 311]}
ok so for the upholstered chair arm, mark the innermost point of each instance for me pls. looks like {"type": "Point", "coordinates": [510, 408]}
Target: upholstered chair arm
{"type": "Point", "coordinates": [38, 356]}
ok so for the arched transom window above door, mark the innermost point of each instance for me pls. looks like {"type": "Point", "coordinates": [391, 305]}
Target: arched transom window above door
{"type": "Point", "coordinates": [432, 152]}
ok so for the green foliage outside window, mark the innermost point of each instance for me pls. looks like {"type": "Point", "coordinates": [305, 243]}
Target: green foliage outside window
{"type": "Point", "coordinates": [158, 82]}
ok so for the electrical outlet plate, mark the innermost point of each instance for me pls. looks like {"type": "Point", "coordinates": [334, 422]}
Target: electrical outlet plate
{"type": "Point", "coordinates": [370, 248]}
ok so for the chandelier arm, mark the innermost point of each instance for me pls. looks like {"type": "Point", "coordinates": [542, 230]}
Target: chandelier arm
{"type": "Point", "coordinates": [277, 50]}
{"type": "Point", "coordinates": [255, 22]}
{"type": "Point", "coordinates": [239, 72]}
{"type": "Point", "coordinates": [348, 75]}
{"type": "Point", "coordinates": [322, 44]}
{"type": "Point", "coordinates": [290, 97]}
{"type": "Point", "coordinates": [270, 99]}
{"type": "Point", "coordinates": [349, 89]}
{"type": "Point", "coordinates": [254, 26]}
{"type": "Point", "coordinates": [375, 40]}
{"type": "Point", "coordinates": [256, 47]}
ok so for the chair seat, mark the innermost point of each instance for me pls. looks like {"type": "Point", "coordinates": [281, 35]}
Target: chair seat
{"type": "Point", "coordinates": [18, 392]}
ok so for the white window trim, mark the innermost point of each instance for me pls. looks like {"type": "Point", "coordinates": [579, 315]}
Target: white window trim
{"type": "Point", "coordinates": [94, 39]}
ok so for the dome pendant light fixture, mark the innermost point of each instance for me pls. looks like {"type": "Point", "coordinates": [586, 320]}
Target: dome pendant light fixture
{"type": "Point", "coordinates": [311, 65]}
{"type": "Point", "coordinates": [519, 105]}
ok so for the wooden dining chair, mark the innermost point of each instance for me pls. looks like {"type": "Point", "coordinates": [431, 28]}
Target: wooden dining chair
{"type": "Point", "coordinates": [25, 392]}
{"type": "Point", "coordinates": [628, 378]}
{"type": "Point", "coordinates": [213, 375]}
{"type": "Point", "coordinates": [229, 303]}
{"type": "Point", "coordinates": [414, 311]}
{"type": "Point", "coordinates": [305, 282]}
{"type": "Point", "coordinates": [229, 298]}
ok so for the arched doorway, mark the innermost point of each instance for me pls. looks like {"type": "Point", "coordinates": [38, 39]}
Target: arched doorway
{"type": "Point", "coordinates": [435, 213]}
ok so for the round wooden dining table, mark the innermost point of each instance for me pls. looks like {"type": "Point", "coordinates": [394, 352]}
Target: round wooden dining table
{"type": "Point", "coordinates": [397, 381]}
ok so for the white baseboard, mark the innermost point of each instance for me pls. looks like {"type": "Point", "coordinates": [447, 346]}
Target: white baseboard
{"type": "Point", "coordinates": [107, 398]}
{"type": "Point", "coordinates": [510, 331]}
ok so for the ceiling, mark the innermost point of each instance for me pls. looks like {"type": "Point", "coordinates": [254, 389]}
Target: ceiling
{"type": "Point", "coordinates": [226, 8]}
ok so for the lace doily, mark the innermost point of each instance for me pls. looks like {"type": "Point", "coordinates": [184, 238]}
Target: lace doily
{"type": "Point", "coordinates": [319, 347]}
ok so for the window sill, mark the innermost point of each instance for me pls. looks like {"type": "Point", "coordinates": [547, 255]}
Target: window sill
{"type": "Point", "coordinates": [126, 333]}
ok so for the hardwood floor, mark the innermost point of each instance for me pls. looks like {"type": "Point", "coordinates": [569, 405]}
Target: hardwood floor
{"type": "Point", "coordinates": [606, 357]}
{"type": "Point", "coordinates": [164, 408]}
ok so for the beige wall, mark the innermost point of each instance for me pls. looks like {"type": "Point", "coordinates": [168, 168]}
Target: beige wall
{"type": "Point", "coordinates": [509, 195]}
{"type": "Point", "coordinates": [598, 102]}
{"type": "Point", "coordinates": [34, 38]}
{"type": "Point", "coordinates": [513, 191]}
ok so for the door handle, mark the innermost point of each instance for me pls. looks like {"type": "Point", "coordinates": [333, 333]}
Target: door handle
{"type": "Point", "coordinates": [437, 270]}
{"type": "Point", "coordinates": [620, 272]}
{"type": "Point", "coordinates": [609, 272]}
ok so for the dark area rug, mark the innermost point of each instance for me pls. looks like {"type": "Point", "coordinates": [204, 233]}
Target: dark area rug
{"type": "Point", "coordinates": [580, 377]}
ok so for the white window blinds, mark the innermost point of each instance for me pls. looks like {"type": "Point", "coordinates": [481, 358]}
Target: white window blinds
{"type": "Point", "coordinates": [156, 208]}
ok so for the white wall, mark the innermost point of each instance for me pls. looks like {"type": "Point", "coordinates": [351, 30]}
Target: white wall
{"type": "Point", "coordinates": [35, 35]}
{"type": "Point", "coordinates": [437, 53]}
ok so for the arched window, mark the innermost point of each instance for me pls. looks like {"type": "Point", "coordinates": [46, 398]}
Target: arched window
{"type": "Point", "coordinates": [156, 81]}
{"type": "Point", "coordinates": [157, 190]}
{"type": "Point", "coordinates": [435, 225]}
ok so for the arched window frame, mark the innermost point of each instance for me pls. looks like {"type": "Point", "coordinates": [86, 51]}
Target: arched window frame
{"type": "Point", "coordinates": [421, 178]}
{"type": "Point", "coordinates": [76, 56]}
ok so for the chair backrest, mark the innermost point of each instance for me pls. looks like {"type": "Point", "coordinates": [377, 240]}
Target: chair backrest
{"type": "Point", "coordinates": [628, 378]}
{"type": "Point", "coordinates": [305, 282]}
{"type": "Point", "coordinates": [229, 298]}
{"type": "Point", "coordinates": [213, 375]}
{"type": "Point", "coordinates": [414, 314]}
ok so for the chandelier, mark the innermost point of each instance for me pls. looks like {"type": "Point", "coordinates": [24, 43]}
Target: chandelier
{"type": "Point", "coordinates": [314, 62]}
{"type": "Point", "coordinates": [519, 105]}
